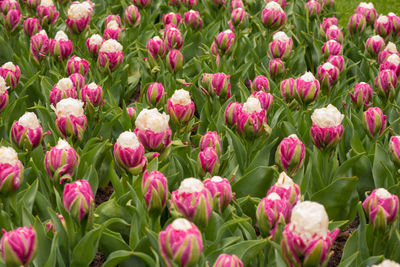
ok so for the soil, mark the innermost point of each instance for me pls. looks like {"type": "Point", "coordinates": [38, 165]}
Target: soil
{"type": "Point", "coordinates": [340, 241]}
{"type": "Point", "coordinates": [103, 194]}
{"type": "Point", "coordinates": [98, 260]}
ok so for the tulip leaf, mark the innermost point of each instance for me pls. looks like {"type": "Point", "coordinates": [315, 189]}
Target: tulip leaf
{"type": "Point", "coordinates": [383, 177]}
{"type": "Point", "coordinates": [86, 248]}
{"type": "Point", "coordinates": [348, 262]}
{"type": "Point", "coordinates": [52, 257]}
{"type": "Point", "coordinates": [116, 257]}
{"type": "Point", "coordinates": [246, 250]}
{"type": "Point", "coordinates": [255, 183]}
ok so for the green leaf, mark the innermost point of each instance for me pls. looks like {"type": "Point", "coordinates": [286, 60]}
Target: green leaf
{"type": "Point", "coordinates": [255, 183]}
{"type": "Point", "coordinates": [383, 177]}
{"type": "Point", "coordinates": [86, 249]}
{"type": "Point", "coordinates": [116, 257]}
{"type": "Point", "coordinates": [247, 250]}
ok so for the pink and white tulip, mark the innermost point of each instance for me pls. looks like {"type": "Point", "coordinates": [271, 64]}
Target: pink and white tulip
{"type": "Point", "coordinates": [391, 63]}
{"type": "Point", "coordinates": [18, 247]}
{"type": "Point", "coordinates": [288, 90]}
{"type": "Point", "coordinates": [174, 60]}
{"type": "Point", "coordinates": [70, 118]}
{"type": "Point", "coordinates": [26, 132]}
{"type": "Point", "coordinates": [286, 189]}
{"type": "Point", "coordinates": [326, 23]}
{"type": "Point", "coordinates": [12, 20]}
{"type": "Point", "coordinates": [110, 55]}
{"type": "Point", "coordinates": [306, 88]}
{"type": "Point", "coordinates": [11, 170]}
{"type": "Point", "coordinates": [220, 85]}
{"type": "Point", "coordinates": [374, 121]}
{"type": "Point", "coordinates": [47, 12]}
{"type": "Point", "coordinates": [129, 153]}
{"type": "Point", "coordinates": [334, 33]}
{"type": "Point", "coordinates": [313, 9]}
{"type": "Point", "coordinates": [232, 112]}
{"type": "Point", "coordinates": [361, 95]}
{"type": "Point", "coordinates": [375, 45]}
{"type": "Point", "coordinates": [386, 83]}
{"type": "Point", "coordinates": [290, 154]}
{"type": "Point", "coordinates": [252, 119]}
{"type": "Point", "coordinates": [32, 26]}
{"type": "Point", "coordinates": [180, 107]}
{"type": "Point", "coordinates": [383, 26]}
{"type": "Point", "coordinates": [78, 17]}
{"type": "Point", "coordinates": [260, 83]}
{"type": "Point", "coordinates": [93, 44]}
{"type": "Point", "coordinates": [328, 75]}
{"type": "Point", "coordinates": [224, 42]}
{"type": "Point", "coordinates": [155, 191]}
{"type": "Point", "coordinates": [112, 31]}
{"type": "Point", "coordinates": [3, 94]}
{"type": "Point", "coordinates": [208, 161]}
{"type": "Point", "coordinates": [331, 47]}
{"type": "Point", "coordinates": [357, 24]}
{"type": "Point", "coordinates": [389, 50]}
{"type": "Point", "coordinates": [156, 95]}
{"type": "Point", "coordinates": [132, 16]}
{"type": "Point", "coordinates": [93, 94]}
{"type": "Point", "coordinates": [225, 260]}
{"type": "Point", "coordinates": [11, 74]}
{"type": "Point", "coordinates": [276, 67]}
{"type": "Point", "coordinates": [395, 149]}
{"type": "Point", "coordinates": [77, 80]}
{"type": "Point", "coordinates": [63, 89]}
{"type": "Point", "coordinates": [395, 21]}
{"type": "Point", "coordinates": [78, 200]}
{"type": "Point", "coordinates": [173, 37]}
{"type": "Point", "coordinates": [368, 11]}
{"type": "Point", "coordinates": [112, 17]}
{"type": "Point", "coordinates": [281, 46]}
{"type": "Point", "coordinates": [156, 47]}
{"type": "Point", "coordinates": [337, 61]}
{"type": "Point", "coordinates": [61, 46]}
{"type": "Point", "coordinates": [7, 5]}
{"type": "Point", "coordinates": [193, 20]}
{"type": "Point", "coordinates": [238, 18]}
{"type": "Point", "coordinates": [265, 99]}
{"type": "Point", "coordinates": [77, 64]}
{"type": "Point", "coordinates": [273, 16]}
{"type": "Point", "coordinates": [211, 139]}
{"type": "Point", "coordinates": [171, 18]}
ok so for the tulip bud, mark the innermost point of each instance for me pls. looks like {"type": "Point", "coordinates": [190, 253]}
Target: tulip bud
{"type": "Point", "coordinates": [181, 243]}
{"type": "Point", "coordinates": [368, 11]}
{"type": "Point", "coordinates": [389, 50]}
{"type": "Point", "coordinates": [77, 64]}
{"type": "Point", "coordinates": [27, 132]}
{"type": "Point", "coordinates": [224, 42]}
{"type": "Point", "coordinates": [270, 211]}
{"type": "Point", "coordinates": [12, 20]}
{"type": "Point", "coordinates": [328, 75]}
{"type": "Point", "coordinates": [93, 94]}
{"type": "Point", "coordinates": [112, 31]}
{"type": "Point", "coordinates": [236, 4]}
{"type": "Point", "coordinates": [221, 192]}
{"type": "Point", "coordinates": [276, 67]}
{"type": "Point", "coordinates": [374, 121]}
{"type": "Point", "coordinates": [331, 47]}
{"type": "Point", "coordinates": [64, 88]}
{"type": "Point", "coordinates": [208, 161]}
{"type": "Point", "coordinates": [252, 119]}
{"type": "Point", "coordinates": [327, 129]}
{"type": "Point", "coordinates": [143, 3]}
{"type": "Point", "coordinates": [131, 113]}
{"type": "Point", "coordinates": [281, 46]}
{"type": "Point", "coordinates": [190, 4]}
{"type": "Point", "coordinates": [395, 21]}
{"type": "Point", "coordinates": [50, 225]}
{"type": "Point", "coordinates": [70, 121]}
{"type": "Point", "coordinates": [110, 55]}
{"type": "Point", "coordinates": [156, 95]}
{"type": "Point", "coordinates": [32, 5]}
{"type": "Point", "coordinates": [375, 45]}
{"type": "Point", "coordinates": [273, 16]}
{"type": "Point", "coordinates": [193, 201]}
{"type": "Point", "coordinates": [173, 37]}
{"type": "Point", "coordinates": [290, 154]}
{"type": "Point", "coordinates": [383, 27]}
{"type": "Point", "coordinates": [221, 85]}
{"type": "Point", "coordinates": [395, 149]}
{"type": "Point", "coordinates": [334, 33]}
{"type": "Point", "coordinates": [286, 189]}
{"type": "Point", "coordinates": [381, 208]}
{"type": "Point", "coordinates": [326, 23]}
{"type": "Point", "coordinates": [391, 63]}
{"type": "Point", "coordinates": [265, 99]}
{"type": "Point", "coordinates": [3, 94]}
{"type": "Point", "coordinates": [155, 191]}
{"type": "Point", "coordinates": [61, 161]}
{"type": "Point", "coordinates": [18, 247]}
{"type": "Point", "coordinates": [287, 88]}
{"type": "Point", "coordinates": [78, 80]}
{"type": "Point", "coordinates": [94, 43]}
{"type": "Point", "coordinates": [61, 46]}
{"type": "Point", "coordinates": [225, 260]}
{"type": "Point", "coordinates": [152, 130]}
{"type": "Point", "coordinates": [211, 139]}
{"type": "Point", "coordinates": [356, 24]}
{"type": "Point", "coordinates": [361, 95]}
{"type": "Point", "coordinates": [78, 200]}
{"type": "Point", "coordinates": [307, 88]}
{"type": "Point", "coordinates": [171, 18]}
{"type": "Point", "coordinates": [387, 263]}
{"type": "Point", "coordinates": [7, 5]}
{"type": "Point", "coordinates": [337, 61]}
{"type": "Point", "coordinates": [260, 83]}
{"type": "Point", "coordinates": [232, 112]}
{"type": "Point", "coordinates": [156, 47]}
{"type": "Point", "coordinates": [47, 13]}
{"type": "Point", "coordinates": [10, 73]}
{"type": "Point", "coordinates": [239, 18]}
{"type": "Point", "coordinates": [386, 83]}
{"type": "Point", "coordinates": [112, 17]}
{"type": "Point", "coordinates": [11, 170]}
{"type": "Point", "coordinates": [174, 60]}
{"type": "Point", "coordinates": [313, 9]}
{"type": "Point", "coordinates": [32, 26]}
{"type": "Point", "coordinates": [78, 17]}
{"type": "Point", "coordinates": [193, 19]}
{"type": "Point", "coordinates": [132, 16]}
{"type": "Point", "coordinates": [180, 107]}
{"type": "Point", "coordinates": [306, 239]}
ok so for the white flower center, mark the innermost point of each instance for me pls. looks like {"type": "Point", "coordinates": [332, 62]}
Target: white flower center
{"type": "Point", "coordinates": [273, 196]}
{"type": "Point", "coordinates": [387, 263]}
{"type": "Point", "coordinates": [60, 35]}
{"type": "Point", "coordinates": [62, 144]}
{"type": "Point", "coordinates": [181, 97]}
{"type": "Point", "coordinates": [92, 86]}
{"type": "Point", "coordinates": [280, 36]}
{"type": "Point", "coordinates": [383, 19]}
{"type": "Point", "coordinates": [29, 120]}
{"type": "Point", "coordinates": [216, 179]}
{"type": "Point", "coordinates": [328, 66]}
{"type": "Point", "coordinates": [43, 32]}
{"type": "Point", "coordinates": [78, 11]}
{"type": "Point", "coordinates": [96, 39]}
{"type": "Point", "coordinates": [293, 136]}
{"type": "Point", "coordinates": [65, 84]}
{"type": "Point", "coordinates": [228, 31]}
{"type": "Point", "coordinates": [181, 224]}
{"type": "Point", "coordinates": [191, 185]}
{"type": "Point", "coordinates": [273, 6]}
{"type": "Point", "coordinates": [394, 59]}
{"type": "Point", "coordinates": [69, 106]}
{"type": "Point", "coordinates": [113, 25]}
{"type": "Point", "coordinates": [111, 45]}
{"type": "Point", "coordinates": [152, 120]}
{"type": "Point", "coordinates": [377, 38]}
{"type": "Point", "coordinates": [128, 140]}
{"type": "Point", "coordinates": [307, 77]}
{"type": "Point", "coordinates": [366, 5]}
{"type": "Point", "coordinates": [3, 86]}
{"type": "Point", "coordinates": [9, 66]}
{"type": "Point", "coordinates": [46, 3]}
{"type": "Point", "coordinates": [382, 193]}
{"type": "Point", "coordinates": [391, 14]}
{"type": "Point", "coordinates": [391, 47]}
{"type": "Point", "coordinates": [284, 181]}
{"type": "Point", "coordinates": [252, 105]}
{"type": "Point", "coordinates": [327, 117]}
{"type": "Point", "coordinates": [8, 155]}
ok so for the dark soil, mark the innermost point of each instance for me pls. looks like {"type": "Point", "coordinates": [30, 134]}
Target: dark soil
{"type": "Point", "coordinates": [98, 260]}
{"type": "Point", "coordinates": [103, 194]}
{"type": "Point", "coordinates": [338, 246]}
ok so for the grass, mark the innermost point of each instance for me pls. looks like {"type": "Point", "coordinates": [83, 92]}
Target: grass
{"type": "Point", "coordinates": [346, 8]}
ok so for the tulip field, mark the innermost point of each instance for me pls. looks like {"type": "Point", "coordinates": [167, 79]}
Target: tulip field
{"type": "Point", "coordinates": [199, 133]}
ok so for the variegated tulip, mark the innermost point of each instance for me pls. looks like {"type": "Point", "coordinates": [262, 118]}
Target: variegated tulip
{"type": "Point", "coordinates": [224, 42]}
{"type": "Point", "coordinates": [361, 95]}
{"type": "Point", "coordinates": [70, 121]}
{"type": "Point", "coordinates": [132, 16]}
{"type": "Point", "coordinates": [236, 4]}
{"type": "Point", "coordinates": [143, 3]}
{"type": "Point", "coordinates": [3, 94]}
{"type": "Point", "coordinates": [208, 161]}
{"type": "Point", "coordinates": [331, 47]}
{"type": "Point", "coordinates": [374, 121]}
{"type": "Point", "coordinates": [387, 263]}
{"type": "Point", "coordinates": [368, 11]}
{"type": "Point", "coordinates": [276, 67]}
{"type": "Point", "coordinates": [78, 17]}
{"type": "Point", "coordinates": [93, 94]}
{"type": "Point", "coordinates": [50, 224]}
{"type": "Point", "coordinates": [290, 154]}
{"type": "Point", "coordinates": [110, 55]}
{"type": "Point", "coordinates": [260, 83]}
{"type": "Point", "coordinates": [112, 31]}
{"type": "Point", "coordinates": [173, 37]}
{"type": "Point", "coordinates": [131, 113]}
{"type": "Point", "coordinates": [64, 88]}
{"type": "Point", "coordinates": [307, 88]}
{"type": "Point", "coordinates": [391, 63]}
{"type": "Point", "coordinates": [77, 80]}
{"type": "Point", "coordinates": [232, 112]}
{"type": "Point", "coordinates": [395, 21]}
{"type": "Point", "coordinates": [93, 44]}
{"type": "Point", "coordinates": [273, 16]}
{"type": "Point", "coordinates": [155, 191]}
{"type": "Point", "coordinates": [61, 46]}
{"type": "Point", "coordinates": [180, 243]}
{"type": "Point", "coordinates": [47, 12]}
{"type": "Point", "coordinates": [395, 149]}
{"type": "Point", "coordinates": [286, 189]}
{"type": "Point", "coordinates": [26, 132]}
{"type": "Point", "coordinates": [156, 95]}
{"type": "Point", "coordinates": [357, 24]}
{"type": "Point", "coordinates": [156, 47]}
{"type": "Point", "coordinates": [129, 153]}
{"type": "Point", "coordinates": [238, 18]}
{"type": "Point", "coordinates": [32, 5]}
{"type": "Point", "coordinates": [313, 9]}
{"type": "Point", "coordinates": [281, 46]}
{"type": "Point", "coordinates": [326, 23]}
{"type": "Point", "coordinates": [18, 247]}
{"type": "Point", "coordinates": [288, 90]}
{"type": "Point", "coordinates": [77, 64]}
{"type": "Point", "coordinates": [193, 20]}
{"type": "Point", "coordinates": [337, 61]}
{"type": "Point", "coordinates": [252, 119]}
{"type": "Point", "coordinates": [375, 45]}
{"type": "Point", "coordinates": [386, 83]}
{"type": "Point", "coordinates": [12, 20]}
{"type": "Point", "coordinates": [32, 26]}
{"type": "Point", "coordinates": [225, 260]}
{"type": "Point", "coordinates": [11, 74]}
{"type": "Point", "coordinates": [265, 99]}
{"type": "Point", "coordinates": [180, 107]}
{"type": "Point", "coordinates": [334, 33]}
{"type": "Point", "coordinates": [327, 128]}
{"type": "Point", "coordinates": [171, 18]}
{"type": "Point", "coordinates": [174, 60]}
{"type": "Point", "coordinates": [11, 170]}
{"type": "Point", "coordinates": [389, 50]}
{"type": "Point", "coordinates": [78, 200]}
{"type": "Point", "coordinates": [383, 26]}
{"type": "Point", "coordinates": [328, 75]}
{"type": "Point", "coordinates": [211, 139]}
{"type": "Point", "coordinates": [112, 17]}
{"type": "Point", "coordinates": [220, 85]}
{"type": "Point", "coordinates": [7, 5]}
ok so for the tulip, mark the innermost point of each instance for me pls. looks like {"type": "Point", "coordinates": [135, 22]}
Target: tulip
{"type": "Point", "coordinates": [112, 31]}
{"type": "Point", "coordinates": [180, 107]}
{"type": "Point", "coordinates": [193, 201]}
{"type": "Point", "coordinates": [395, 149]}
{"type": "Point", "coordinates": [328, 75]}
{"type": "Point", "coordinates": [190, 4]}
{"type": "Point", "coordinates": [18, 247]}
{"type": "Point", "coordinates": [273, 16]}
{"type": "Point", "coordinates": [11, 74]}
{"type": "Point", "coordinates": [180, 243]}
{"type": "Point", "coordinates": [70, 119]}
{"type": "Point", "coordinates": [11, 170]}
{"type": "Point", "coordinates": [286, 189]}
{"type": "Point", "coordinates": [110, 55]}
{"type": "Point", "coordinates": [224, 42]}
{"type": "Point", "coordinates": [131, 113]}
{"type": "Point", "coordinates": [281, 46]}
{"type": "Point", "coordinates": [47, 13]}
{"type": "Point", "coordinates": [374, 121]}
{"type": "Point", "coordinates": [391, 63]}
{"type": "Point", "coordinates": [306, 88]}
{"type": "Point", "coordinates": [375, 45]}
{"type": "Point", "coordinates": [326, 3]}
{"type": "Point", "coordinates": [271, 211]}
{"type": "Point", "coordinates": [143, 3]}
{"type": "Point", "coordinates": [265, 99]}
{"type": "Point", "coordinates": [331, 47]}
{"type": "Point", "coordinates": [208, 161]}
{"type": "Point", "coordinates": [313, 9]}
{"type": "Point", "coordinates": [361, 95]}
{"type": "Point", "coordinates": [356, 24]}
{"type": "Point", "coordinates": [386, 83]}
{"type": "Point", "coordinates": [337, 61]}
{"type": "Point", "coordinates": [94, 43]}
{"type": "Point", "coordinates": [207, 82]}
{"type": "Point", "coordinates": [61, 90]}
{"type": "Point", "coordinates": [368, 11]}
{"type": "Point", "coordinates": [3, 94]}
{"type": "Point", "coordinates": [78, 80]}
{"type": "Point", "coordinates": [129, 153]}
{"type": "Point", "coordinates": [152, 130]}
{"type": "Point", "coordinates": [290, 154]}
{"type": "Point", "coordinates": [260, 83]}
{"type": "Point", "coordinates": [93, 94]}
{"type": "Point", "coordinates": [306, 239]}
{"type": "Point", "coordinates": [386, 263]}
{"type": "Point", "coordinates": [61, 46]}
{"type": "Point", "coordinates": [232, 112]}
{"type": "Point", "coordinates": [389, 50]}
{"type": "Point", "coordinates": [78, 18]}
{"type": "Point", "coordinates": [174, 60]}
{"type": "Point", "coordinates": [156, 47]}
{"type": "Point", "coordinates": [236, 4]}
{"type": "Point", "coordinates": [155, 191]}
{"type": "Point", "coordinates": [225, 260]}
{"type": "Point", "coordinates": [252, 119]}
{"type": "Point", "coordinates": [383, 26]}
{"type": "Point", "coordinates": [334, 33]}
{"type": "Point", "coordinates": [238, 18]}
{"type": "Point", "coordinates": [50, 225]}
{"type": "Point", "coordinates": [7, 5]}
{"type": "Point", "coordinates": [78, 200]}
{"type": "Point", "coordinates": [282, 3]}
{"type": "Point", "coordinates": [12, 20]}
{"type": "Point", "coordinates": [27, 132]}
{"type": "Point", "coordinates": [171, 18]}
{"type": "Point", "coordinates": [395, 21]}
{"type": "Point", "coordinates": [221, 85]}
{"type": "Point", "coordinates": [276, 67]}
{"type": "Point", "coordinates": [326, 23]}
{"type": "Point", "coordinates": [211, 139]}
{"type": "Point", "coordinates": [77, 64]}
{"type": "Point", "coordinates": [287, 88]}
{"type": "Point", "coordinates": [32, 5]}
{"type": "Point", "coordinates": [327, 129]}
{"type": "Point", "coordinates": [156, 95]}
{"type": "Point", "coordinates": [193, 20]}
{"type": "Point", "coordinates": [112, 17]}
{"type": "Point", "coordinates": [32, 26]}
{"type": "Point", "coordinates": [61, 161]}
{"type": "Point", "coordinates": [173, 37]}
{"type": "Point", "coordinates": [132, 16]}
{"type": "Point", "coordinates": [381, 208]}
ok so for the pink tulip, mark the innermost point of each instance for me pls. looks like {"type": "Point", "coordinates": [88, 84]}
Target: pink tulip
{"type": "Point", "coordinates": [155, 191]}
{"type": "Point", "coordinates": [78, 199]}
{"type": "Point", "coordinates": [11, 74]}
{"type": "Point", "coordinates": [287, 88]}
{"type": "Point", "coordinates": [193, 19]}
{"type": "Point", "coordinates": [132, 16]}
{"type": "Point", "coordinates": [260, 83]}
{"type": "Point", "coordinates": [368, 11]}
{"type": "Point", "coordinates": [32, 26]}
{"type": "Point", "coordinates": [357, 24]}
{"type": "Point", "coordinates": [290, 154]}
{"type": "Point", "coordinates": [374, 121]}
{"type": "Point", "coordinates": [273, 16]}
{"type": "Point", "coordinates": [93, 94]}
{"type": "Point", "coordinates": [11, 170]}
{"type": "Point", "coordinates": [94, 43]}
{"type": "Point", "coordinates": [129, 153]}
{"type": "Point", "coordinates": [77, 64]}
{"type": "Point", "coordinates": [375, 45]}
{"type": "Point", "coordinates": [18, 247]}
{"type": "Point", "coordinates": [61, 90]}
{"type": "Point", "coordinates": [361, 95]}
{"type": "Point", "coordinates": [27, 133]}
